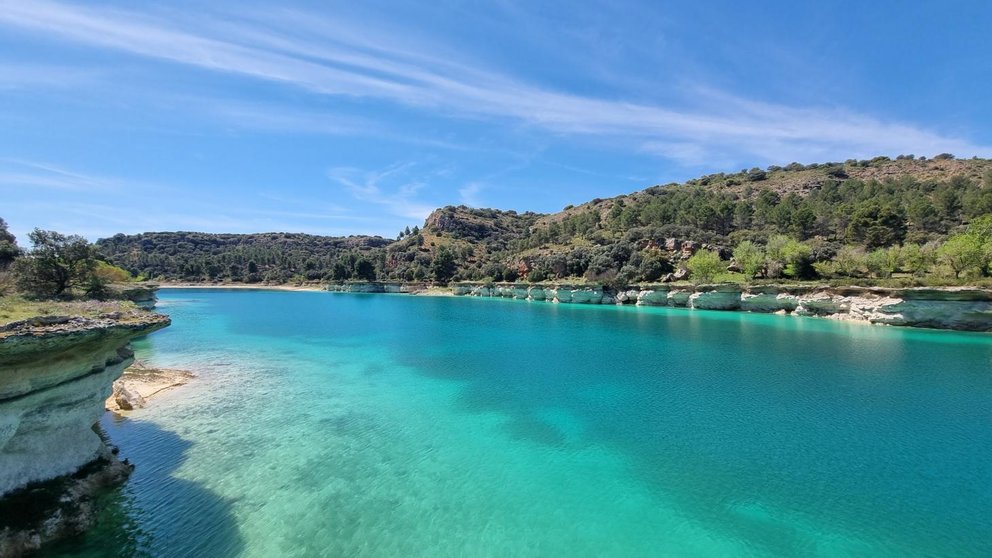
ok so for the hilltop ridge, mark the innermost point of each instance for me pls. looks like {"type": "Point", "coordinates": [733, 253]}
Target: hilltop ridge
{"type": "Point", "coordinates": [826, 209]}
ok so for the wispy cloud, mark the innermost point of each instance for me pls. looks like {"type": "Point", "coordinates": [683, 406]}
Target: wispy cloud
{"type": "Point", "coordinates": [394, 188]}
{"type": "Point", "coordinates": [19, 173]}
{"type": "Point", "coordinates": [324, 57]}
{"type": "Point", "coordinates": [469, 194]}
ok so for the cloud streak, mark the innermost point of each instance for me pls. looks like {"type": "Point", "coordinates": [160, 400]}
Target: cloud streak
{"type": "Point", "coordinates": [328, 58]}
{"type": "Point", "coordinates": [394, 188]}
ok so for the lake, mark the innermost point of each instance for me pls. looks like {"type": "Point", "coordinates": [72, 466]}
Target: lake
{"type": "Point", "coordinates": [326, 424]}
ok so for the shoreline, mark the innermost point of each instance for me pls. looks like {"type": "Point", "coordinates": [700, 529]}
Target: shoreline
{"type": "Point", "coordinates": [140, 383]}
{"type": "Point", "coordinates": [949, 308]}
{"type": "Point", "coordinates": [242, 286]}
{"type": "Point", "coordinates": [427, 291]}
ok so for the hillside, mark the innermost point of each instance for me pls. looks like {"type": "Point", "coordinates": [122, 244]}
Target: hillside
{"type": "Point", "coordinates": [250, 258]}
{"type": "Point", "coordinates": [801, 222]}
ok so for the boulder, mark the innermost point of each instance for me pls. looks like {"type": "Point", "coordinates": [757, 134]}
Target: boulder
{"type": "Point", "coordinates": [126, 399]}
{"type": "Point", "coordinates": [716, 300]}
{"type": "Point", "coordinates": [652, 298]}
{"type": "Point", "coordinates": [679, 298]}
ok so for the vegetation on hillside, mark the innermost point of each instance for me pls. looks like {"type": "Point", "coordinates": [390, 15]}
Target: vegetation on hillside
{"type": "Point", "coordinates": [920, 220]}
{"type": "Point", "coordinates": [57, 267]}
{"type": "Point", "coordinates": [248, 258]}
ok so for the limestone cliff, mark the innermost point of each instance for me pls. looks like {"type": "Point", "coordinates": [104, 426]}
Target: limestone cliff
{"type": "Point", "coordinates": [55, 374]}
{"type": "Point", "coordinates": [944, 308]}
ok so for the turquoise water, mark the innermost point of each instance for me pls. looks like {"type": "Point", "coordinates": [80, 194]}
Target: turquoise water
{"type": "Point", "coordinates": [388, 425]}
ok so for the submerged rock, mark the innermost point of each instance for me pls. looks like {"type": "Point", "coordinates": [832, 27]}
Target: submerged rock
{"type": "Point", "coordinates": [58, 508]}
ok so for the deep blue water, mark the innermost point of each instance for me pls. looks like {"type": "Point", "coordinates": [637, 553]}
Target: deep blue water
{"type": "Point", "coordinates": [327, 424]}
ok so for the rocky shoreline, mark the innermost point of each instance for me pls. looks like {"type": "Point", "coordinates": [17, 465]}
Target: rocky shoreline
{"type": "Point", "coordinates": [55, 374]}
{"type": "Point", "coordinates": [957, 308]}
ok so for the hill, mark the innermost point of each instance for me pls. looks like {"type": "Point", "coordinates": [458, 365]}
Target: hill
{"type": "Point", "coordinates": [250, 258]}
{"type": "Point", "coordinates": [857, 219]}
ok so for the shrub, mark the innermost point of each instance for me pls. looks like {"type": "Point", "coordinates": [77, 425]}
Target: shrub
{"type": "Point", "coordinates": [917, 259]}
{"type": "Point", "coordinates": [850, 261]}
{"type": "Point", "coordinates": [750, 257]}
{"type": "Point", "coordinates": [704, 265]}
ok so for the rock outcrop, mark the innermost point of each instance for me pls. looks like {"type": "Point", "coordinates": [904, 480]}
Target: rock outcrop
{"type": "Point", "coordinates": [140, 383]}
{"type": "Point", "coordinates": [377, 287]}
{"type": "Point", "coordinates": [55, 374]}
{"type": "Point", "coordinates": [944, 308]}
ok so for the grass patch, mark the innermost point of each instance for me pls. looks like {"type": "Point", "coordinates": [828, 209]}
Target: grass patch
{"type": "Point", "coordinates": [16, 308]}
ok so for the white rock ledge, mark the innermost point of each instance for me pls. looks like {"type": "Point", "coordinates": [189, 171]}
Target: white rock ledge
{"type": "Point", "coordinates": [942, 308]}
{"type": "Point", "coordinates": [54, 379]}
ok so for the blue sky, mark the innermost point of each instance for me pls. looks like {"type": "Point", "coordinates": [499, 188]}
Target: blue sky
{"type": "Point", "coordinates": [360, 117]}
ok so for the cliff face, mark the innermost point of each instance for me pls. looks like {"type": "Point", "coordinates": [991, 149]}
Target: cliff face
{"type": "Point", "coordinates": [949, 308]}
{"type": "Point", "coordinates": [55, 373]}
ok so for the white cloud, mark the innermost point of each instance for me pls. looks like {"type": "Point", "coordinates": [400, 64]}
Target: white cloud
{"type": "Point", "coordinates": [19, 174]}
{"type": "Point", "coordinates": [393, 188]}
{"type": "Point", "coordinates": [325, 57]}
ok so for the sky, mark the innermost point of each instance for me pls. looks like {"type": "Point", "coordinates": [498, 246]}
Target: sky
{"type": "Point", "coordinates": [350, 117]}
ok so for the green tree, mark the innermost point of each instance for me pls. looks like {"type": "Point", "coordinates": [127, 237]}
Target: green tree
{"type": "Point", "coordinates": [704, 265]}
{"type": "Point", "coordinates": [963, 253]}
{"type": "Point", "coordinates": [803, 222]}
{"type": "Point", "coordinates": [8, 246]}
{"type": "Point", "coordinates": [56, 264]}
{"type": "Point", "coordinates": [981, 229]}
{"type": "Point", "coordinates": [750, 257]}
{"type": "Point", "coordinates": [918, 259]}
{"type": "Point", "coordinates": [880, 262]}
{"type": "Point", "coordinates": [443, 265]}
{"type": "Point", "coordinates": [850, 261]}
{"type": "Point", "coordinates": [364, 270]}
{"type": "Point", "coordinates": [876, 226]}
{"type": "Point", "coordinates": [653, 265]}
{"type": "Point", "coordinates": [794, 258]}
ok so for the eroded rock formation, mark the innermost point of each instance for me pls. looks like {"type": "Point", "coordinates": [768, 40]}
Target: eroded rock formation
{"type": "Point", "coordinates": [55, 374]}
{"type": "Point", "coordinates": [944, 308]}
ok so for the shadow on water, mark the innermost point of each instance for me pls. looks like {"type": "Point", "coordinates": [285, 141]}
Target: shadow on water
{"type": "Point", "coordinates": [777, 434]}
{"type": "Point", "coordinates": [154, 513]}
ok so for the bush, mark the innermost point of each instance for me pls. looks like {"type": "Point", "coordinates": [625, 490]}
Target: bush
{"type": "Point", "coordinates": [917, 259]}
{"type": "Point", "coordinates": [850, 261]}
{"type": "Point", "coordinates": [704, 265]}
{"type": "Point", "coordinates": [750, 257]}
{"type": "Point", "coordinates": [111, 273]}
{"type": "Point", "coordinates": [653, 266]}
{"type": "Point", "coordinates": [537, 275]}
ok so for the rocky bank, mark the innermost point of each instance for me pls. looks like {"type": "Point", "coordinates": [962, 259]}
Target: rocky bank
{"type": "Point", "coordinates": [55, 374]}
{"type": "Point", "coordinates": [944, 308]}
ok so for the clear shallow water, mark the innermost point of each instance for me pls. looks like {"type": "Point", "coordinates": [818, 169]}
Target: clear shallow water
{"type": "Point", "coordinates": [374, 425]}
